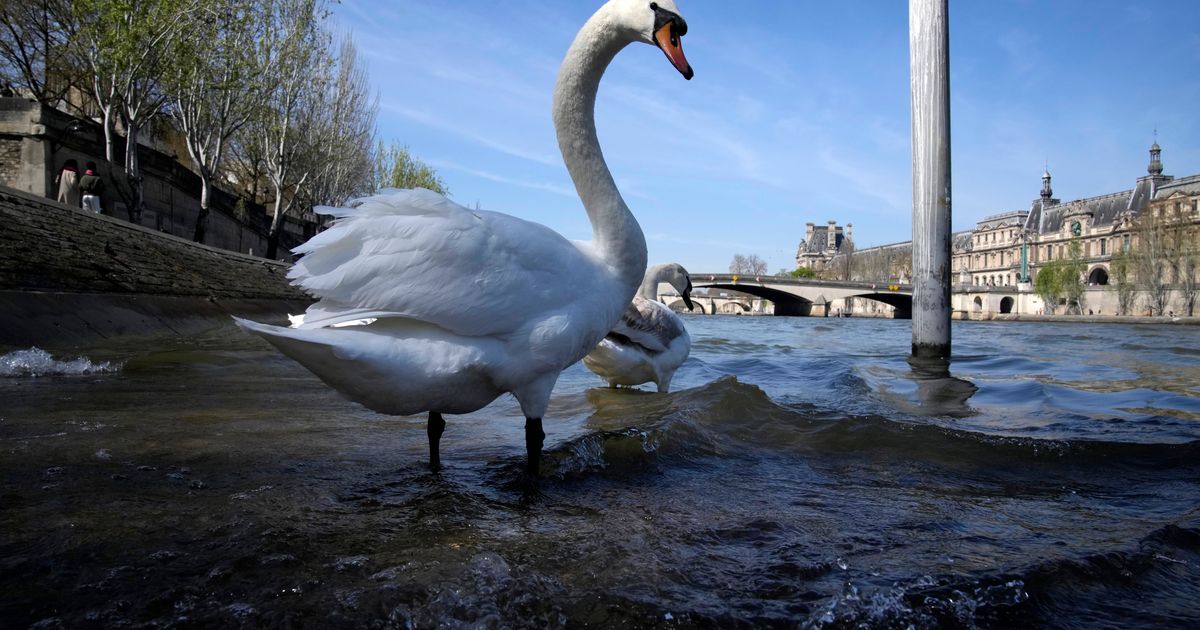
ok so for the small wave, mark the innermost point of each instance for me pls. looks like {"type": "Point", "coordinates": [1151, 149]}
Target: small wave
{"type": "Point", "coordinates": [926, 603]}
{"type": "Point", "coordinates": [626, 449]}
{"type": "Point", "coordinates": [37, 362]}
{"type": "Point", "coordinates": [1090, 590]}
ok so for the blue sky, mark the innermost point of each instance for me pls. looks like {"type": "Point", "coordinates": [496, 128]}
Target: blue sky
{"type": "Point", "coordinates": [799, 111]}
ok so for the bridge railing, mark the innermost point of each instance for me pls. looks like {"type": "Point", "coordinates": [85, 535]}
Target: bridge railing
{"type": "Point", "coordinates": [729, 278]}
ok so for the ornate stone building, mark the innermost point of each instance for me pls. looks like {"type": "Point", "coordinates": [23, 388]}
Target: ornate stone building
{"type": "Point", "coordinates": [1007, 249]}
{"type": "Point", "coordinates": [995, 264]}
{"type": "Point", "coordinates": [821, 244]}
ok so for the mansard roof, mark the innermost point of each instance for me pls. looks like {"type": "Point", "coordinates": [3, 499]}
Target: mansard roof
{"type": "Point", "coordinates": [961, 241]}
{"type": "Point", "coordinates": [819, 241]}
{"type": "Point", "coordinates": [1189, 185]}
{"type": "Point", "coordinates": [1104, 209]}
{"type": "Point", "coordinates": [1015, 218]}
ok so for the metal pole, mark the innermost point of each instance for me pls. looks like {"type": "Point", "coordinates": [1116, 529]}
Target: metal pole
{"type": "Point", "coordinates": [929, 60]}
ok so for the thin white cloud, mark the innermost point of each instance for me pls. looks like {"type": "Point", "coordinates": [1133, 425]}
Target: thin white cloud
{"type": "Point", "coordinates": [544, 186]}
{"type": "Point", "coordinates": [431, 120]}
{"type": "Point", "coordinates": [698, 242]}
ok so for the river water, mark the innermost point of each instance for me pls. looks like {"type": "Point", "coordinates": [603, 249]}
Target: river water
{"type": "Point", "coordinates": [799, 475]}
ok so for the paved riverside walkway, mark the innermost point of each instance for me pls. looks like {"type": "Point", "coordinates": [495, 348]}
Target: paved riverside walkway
{"type": "Point", "coordinates": [69, 275]}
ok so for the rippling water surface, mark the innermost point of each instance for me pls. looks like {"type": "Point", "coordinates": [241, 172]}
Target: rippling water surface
{"type": "Point", "coordinates": [801, 474]}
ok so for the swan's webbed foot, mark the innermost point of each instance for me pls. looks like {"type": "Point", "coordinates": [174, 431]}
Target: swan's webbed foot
{"type": "Point", "coordinates": [534, 437]}
{"type": "Point", "coordinates": [434, 428]}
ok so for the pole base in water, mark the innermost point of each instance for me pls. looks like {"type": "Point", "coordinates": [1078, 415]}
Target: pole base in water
{"type": "Point", "coordinates": [931, 351]}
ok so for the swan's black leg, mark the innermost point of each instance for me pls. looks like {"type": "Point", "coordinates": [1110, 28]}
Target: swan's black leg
{"type": "Point", "coordinates": [434, 429]}
{"type": "Point", "coordinates": [534, 436]}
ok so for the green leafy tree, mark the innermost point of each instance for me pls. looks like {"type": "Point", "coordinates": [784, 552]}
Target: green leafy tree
{"type": "Point", "coordinates": [125, 46]}
{"type": "Point", "coordinates": [1048, 284]}
{"type": "Point", "coordinates": [396, 167]}
{"type": "Point", "coordinates": [279, 142]}
{"type": "Point", "coordinates": [1071, 276]}
{"type": "Point", "coordinates": [802, 272]}
{"type": "Point", "coordinates": [215, 86]}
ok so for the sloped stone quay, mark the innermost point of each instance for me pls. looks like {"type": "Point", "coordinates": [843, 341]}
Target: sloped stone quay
{"type": "Point", "coordinates": [68, 276]}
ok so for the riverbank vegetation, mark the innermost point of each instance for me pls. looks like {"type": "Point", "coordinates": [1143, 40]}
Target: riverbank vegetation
{"type": "Point", "coordinates": [265, 99]}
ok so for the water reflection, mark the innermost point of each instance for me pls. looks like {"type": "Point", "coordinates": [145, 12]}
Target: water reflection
{"type": "Point", "coordinates": [939, 393]}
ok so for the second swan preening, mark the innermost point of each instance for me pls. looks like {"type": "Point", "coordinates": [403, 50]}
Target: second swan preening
{"type": "Point", "coordinates": [455, 306]}
{"type": "Point", "coordinates": [650, 342]}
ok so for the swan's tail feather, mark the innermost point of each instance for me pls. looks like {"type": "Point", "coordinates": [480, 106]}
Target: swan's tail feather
{"type": "Point", "coordinates": [331, 363]}
{"type": "Point", "coordinates": [392, 201]}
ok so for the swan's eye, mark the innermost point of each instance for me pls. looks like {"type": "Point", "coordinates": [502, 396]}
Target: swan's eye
{"type": "Point", "coordinates": [653, 6]}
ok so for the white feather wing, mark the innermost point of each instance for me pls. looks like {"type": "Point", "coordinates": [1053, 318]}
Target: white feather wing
{"type": "Point", "coordinates": [392, 254]}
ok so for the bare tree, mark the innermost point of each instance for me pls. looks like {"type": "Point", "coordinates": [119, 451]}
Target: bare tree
{"type": "Point", "coordinates": [846, 261]}
{"type": "Point", "coordinates": [344, 134]}
{"type": "Point", "coordinates": [751, 265]}
{"type": "Point", "coordinates": [1153, 258]}
{"type": "Point", "coordinates": [215, 85]}
{"type": "Point", "coordinates": [755, 266]}
{"type": "Point", "coordinates": [34, 55]}
{"type": "Point", "coordinates": [1184, 247]}
{"type": "Point", "coordinates": [1122, 275]}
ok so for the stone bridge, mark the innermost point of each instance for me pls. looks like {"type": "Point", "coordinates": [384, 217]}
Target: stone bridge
{"type": "Point", "coordinates": [808, 297]}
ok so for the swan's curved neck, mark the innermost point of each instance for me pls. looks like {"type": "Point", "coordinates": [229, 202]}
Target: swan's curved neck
{"type": "Point", "coordinates": [618, 237]}
{"type": "Point", "coordinates": [654, 277]}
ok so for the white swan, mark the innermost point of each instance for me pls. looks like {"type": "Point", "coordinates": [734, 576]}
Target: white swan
{"type": "Point", "coordinates": [468, 304]}
{"type": "Point", "coordinates": [650, 342]}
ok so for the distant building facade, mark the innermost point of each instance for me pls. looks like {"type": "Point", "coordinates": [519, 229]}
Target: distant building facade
{"type": "Point", "coordinates": [995, 264]}
{"type": "Point", "coordinates": [822, 244]}
{"type": "Point", "coordinates": [1007, 249]}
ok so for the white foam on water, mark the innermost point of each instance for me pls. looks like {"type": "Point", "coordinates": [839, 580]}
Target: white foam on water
{"type": "Point", "coordinates": [37, 362]}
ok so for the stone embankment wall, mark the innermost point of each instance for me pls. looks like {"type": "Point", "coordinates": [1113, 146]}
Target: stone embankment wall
{"type": "Point", "coordinates": [69, 276]}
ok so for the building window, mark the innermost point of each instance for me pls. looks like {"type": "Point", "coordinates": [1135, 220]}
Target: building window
{"type": "Point", "coordinates": [1125, 243]}
{"type": "Point", "coordinates": [1103, 247]}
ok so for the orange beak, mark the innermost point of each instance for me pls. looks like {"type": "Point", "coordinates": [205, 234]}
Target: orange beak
{"type": "Point", "coordinates": [670, 44]}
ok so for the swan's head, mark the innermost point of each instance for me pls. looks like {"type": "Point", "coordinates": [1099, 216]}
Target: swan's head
{"type": "Point", "coordinates": [657, 23]}
{"type": "Point", "coordinates": [675, 275]}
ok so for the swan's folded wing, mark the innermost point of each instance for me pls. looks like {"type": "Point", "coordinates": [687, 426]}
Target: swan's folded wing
{"type": "Point", "coordinates": [414, 253]}
{"type": "Point", "coordinates": [649, 324]}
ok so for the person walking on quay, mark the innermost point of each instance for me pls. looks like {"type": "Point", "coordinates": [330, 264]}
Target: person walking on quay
{"type": "Point", "coordinates": [92, 186]}
{"type": "Point", "coordinates": [68, 183]}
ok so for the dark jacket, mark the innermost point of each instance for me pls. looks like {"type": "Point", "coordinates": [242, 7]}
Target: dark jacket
{"type": "Point", "coordinates": [91, 184]}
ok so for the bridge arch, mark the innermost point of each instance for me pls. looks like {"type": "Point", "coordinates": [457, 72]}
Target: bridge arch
{"type": "Point", "coordinates": [785, 303]}
{"type": "Point", "coordinates": [799, 296]}
{"type": "Point", "coordinates": [899, 301]}
{"type": "Point", "coordinates": [680, 307]}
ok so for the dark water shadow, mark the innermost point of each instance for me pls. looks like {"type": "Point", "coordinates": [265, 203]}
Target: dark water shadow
{"type": "Point", "coordinates": [938, 392]}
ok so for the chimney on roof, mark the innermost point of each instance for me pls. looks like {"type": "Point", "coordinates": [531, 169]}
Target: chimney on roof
{"type": "Point", "coordinates": [808, 231]}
